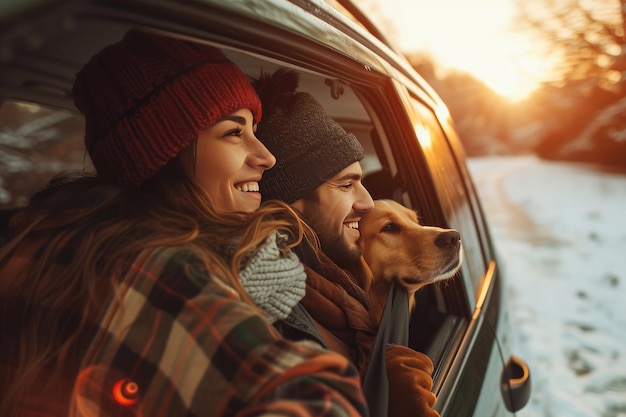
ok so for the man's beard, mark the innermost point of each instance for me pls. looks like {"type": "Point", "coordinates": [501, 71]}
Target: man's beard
{"type": "Point", "coordinates": [342, 253]}
{"type": "Point", "coordinates": [336, 247]}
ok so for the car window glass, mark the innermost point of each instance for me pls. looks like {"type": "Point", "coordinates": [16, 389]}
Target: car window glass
{"type": "Point", "coordinates": [36, 142]}
{"type": "Point", "coordinates": [451, 189]}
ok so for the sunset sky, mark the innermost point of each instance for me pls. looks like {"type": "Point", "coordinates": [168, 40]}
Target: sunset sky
{"type": "Point", "coordinates": [472, 35]}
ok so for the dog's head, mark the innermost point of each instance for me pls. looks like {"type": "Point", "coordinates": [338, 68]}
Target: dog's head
{"type": "Point", "coordinates": [396, 246]}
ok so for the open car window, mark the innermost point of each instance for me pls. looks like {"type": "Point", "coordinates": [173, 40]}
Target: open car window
{"type": "Point", "coordinates": [443, 311]}
{"type": "Point", "coordinates": [46, 140]}
{"type": "Point", "coordinates": [36, 142]}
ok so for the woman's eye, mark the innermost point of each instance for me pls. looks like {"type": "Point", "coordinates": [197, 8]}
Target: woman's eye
{"type": "Point", "coordinates": [234, 132]}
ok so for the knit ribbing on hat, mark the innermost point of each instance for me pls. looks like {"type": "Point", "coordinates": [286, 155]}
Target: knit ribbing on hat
{"type": "Point", "coordinates": [146, 98]}
{"type": "Point", "coordinates": [309, 146]}
{"type": "Point", "coordinates": [275, 280]}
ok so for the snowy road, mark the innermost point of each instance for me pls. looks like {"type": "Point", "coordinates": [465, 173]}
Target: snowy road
{"type": "Point", "coordinates": [560, 230]}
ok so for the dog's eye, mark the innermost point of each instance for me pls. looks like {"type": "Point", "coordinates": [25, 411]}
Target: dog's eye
{"type": "Point", "coordinates": [389, 227]}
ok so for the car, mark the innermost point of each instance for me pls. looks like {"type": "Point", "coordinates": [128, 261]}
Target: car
{"type": "Point", "coordinates": [413, 154]}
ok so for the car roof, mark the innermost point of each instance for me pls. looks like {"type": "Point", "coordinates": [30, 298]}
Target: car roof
{"type": "Point", "coordinates": [44, 43]}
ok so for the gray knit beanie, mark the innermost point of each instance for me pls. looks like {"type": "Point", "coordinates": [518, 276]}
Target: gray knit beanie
{"type": "Point", "coordinates": [309, 146]}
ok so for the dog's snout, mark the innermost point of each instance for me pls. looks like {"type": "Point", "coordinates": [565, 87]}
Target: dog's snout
{"type": "Point", "coordinates": [448, 239]}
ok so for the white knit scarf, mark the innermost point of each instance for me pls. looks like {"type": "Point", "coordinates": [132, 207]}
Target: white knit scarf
{"type": "Point", "coordinates": [274, 279]}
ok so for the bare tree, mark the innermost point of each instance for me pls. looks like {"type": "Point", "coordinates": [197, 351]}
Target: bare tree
{"type": "Point", "coordinates": [589, 36]}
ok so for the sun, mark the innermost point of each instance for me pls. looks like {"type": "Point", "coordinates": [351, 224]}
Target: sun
{"type": "Point", "coordinates": [514, 79]}
{"type": "Point", "coordinates": [509, 83]}
{"type": "Point", "coordinates": [510, 64]}
{"type": "Point", "coordinates": [473, 37]}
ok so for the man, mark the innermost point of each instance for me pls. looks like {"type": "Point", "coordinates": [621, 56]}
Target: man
{"type": "Point", "coordinates": [318, 172]}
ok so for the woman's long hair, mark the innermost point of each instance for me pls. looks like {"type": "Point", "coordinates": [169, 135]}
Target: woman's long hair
{"type": "Point", "coordinates": [96, 230]}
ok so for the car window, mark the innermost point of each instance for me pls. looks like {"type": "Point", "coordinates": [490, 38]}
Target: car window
{"type": "Point", "coordinates": [36, 142]}
{"type": "Point", "coordinates": [366, 109]}
{"type": "Point", "coordinates": [452, 191]}
{"type": "Point", "coordinates": [54, 142]}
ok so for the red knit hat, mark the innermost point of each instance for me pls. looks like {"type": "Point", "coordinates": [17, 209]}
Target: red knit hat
{"type": "Point", "coordinates": [146, 98]}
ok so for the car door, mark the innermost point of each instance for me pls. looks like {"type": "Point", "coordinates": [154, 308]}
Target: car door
{"type": "Point", "coordinates": [480, 384]}
{"type": "Point", "coordinates": [409, 159]}
{"type": "Point", "coordinates": [454, 323]}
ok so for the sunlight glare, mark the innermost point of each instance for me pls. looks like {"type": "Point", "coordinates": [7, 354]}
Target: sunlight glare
{"type": "Point", "coordinates": [512, 80]}
{"type": "Point", "coordinates": [423, 135]}
{"type": "Point", "coordinates": [517, 75]}
{"type": "Point", "coordinates": [509, 65]}
{"type": "Point", "coordinates": [473, 37]}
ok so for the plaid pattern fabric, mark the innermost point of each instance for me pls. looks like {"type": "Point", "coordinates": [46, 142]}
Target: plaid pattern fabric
{"type": "Point", "coordinates": [188, 346]}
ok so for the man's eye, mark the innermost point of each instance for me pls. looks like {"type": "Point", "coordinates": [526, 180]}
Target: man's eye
{"type": "Point", "coordinates": [349, 185]}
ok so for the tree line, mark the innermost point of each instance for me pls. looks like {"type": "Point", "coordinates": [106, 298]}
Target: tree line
{"type": "Point", "coordinates": [580, 115]}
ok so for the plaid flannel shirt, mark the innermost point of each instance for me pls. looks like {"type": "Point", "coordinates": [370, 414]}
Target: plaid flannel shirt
{"type": "Point", "coordinates": [182, 343]}
{"type": "Point", "coordinates": [186, 345]}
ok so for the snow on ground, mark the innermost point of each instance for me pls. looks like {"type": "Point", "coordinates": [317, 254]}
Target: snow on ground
{"type": "Point", "coordinates": [560, 231]}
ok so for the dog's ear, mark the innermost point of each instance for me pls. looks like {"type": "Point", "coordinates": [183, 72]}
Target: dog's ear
{"type": "Point", "coordinates": [364, 274]}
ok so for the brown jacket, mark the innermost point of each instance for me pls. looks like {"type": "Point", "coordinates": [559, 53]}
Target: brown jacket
{"type": "Point", "coordinates": [338, 303]}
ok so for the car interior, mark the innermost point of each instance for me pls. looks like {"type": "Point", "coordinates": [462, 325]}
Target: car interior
{"type": "Point", "coordinates": [35, 88]}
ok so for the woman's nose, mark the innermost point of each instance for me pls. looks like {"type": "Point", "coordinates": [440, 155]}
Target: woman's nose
{"type": "Point", "coordinates": [262, 156]}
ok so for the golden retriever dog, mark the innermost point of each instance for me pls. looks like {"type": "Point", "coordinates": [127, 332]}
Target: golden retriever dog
{"type": "Point", "coordinates": [396, 246]}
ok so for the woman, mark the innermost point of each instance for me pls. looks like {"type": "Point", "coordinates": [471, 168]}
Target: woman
{"type": "Point", "coordinates": [150, 288]}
